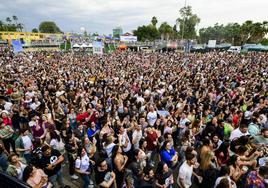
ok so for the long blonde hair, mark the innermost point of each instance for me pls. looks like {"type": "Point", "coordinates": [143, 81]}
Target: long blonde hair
{"type": "Point", "coordinates": [206, 160]}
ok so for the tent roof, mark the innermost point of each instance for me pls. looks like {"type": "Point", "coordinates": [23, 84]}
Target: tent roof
{"type": "Point", "coordinates": [76, 46]}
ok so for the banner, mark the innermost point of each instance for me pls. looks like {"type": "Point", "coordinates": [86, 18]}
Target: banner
{"type": "Point", "coordinates": [211, 43]}
{"type": "Point", "coordinates": [97, 47]}
{"type": "Point", "coordinates": [17, 46]}
{"type": "Point", "coordinates": [128, 38]}
{"type": "Point", "coordinates": [173, 45]}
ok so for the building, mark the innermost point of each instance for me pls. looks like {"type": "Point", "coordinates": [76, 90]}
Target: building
{"type": "Point", "coordinates": [117, 32]}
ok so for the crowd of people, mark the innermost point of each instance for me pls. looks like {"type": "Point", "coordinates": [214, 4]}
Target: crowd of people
{"type": "Point", "coordinates": [135, 119]}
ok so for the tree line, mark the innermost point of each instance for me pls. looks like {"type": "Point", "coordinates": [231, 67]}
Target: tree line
{"type": "Point", "coordinates": [12, 24]}
{"type": "Point", "coordinates": [184, 28]}
{"type": "Point", "coordinates": [234, 33]}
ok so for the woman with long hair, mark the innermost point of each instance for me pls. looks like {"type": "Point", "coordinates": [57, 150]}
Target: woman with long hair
{"type": "Point", "coordinates": [106, 130]}
{"type": "Point", "coordinates": [119, 161]}
{"type": "Point", "coordinates": [208, 168]}
{"type": "Point", "coordinates": [206, 148]}
{"type": "Point", "coordinates": [82, 166]}
{"type": "Point", "coordinates": [71, 149]}
{"type": "Point", "coordinates": [164, 176]}
{"type": "Point", "coordinates": [39, 129]}
{"type": "Point", "coordinates": [72, 118]}
{"type": "Point", "coordinates": [144, 152]}
{"type": "Point", "coordinates": [235, 171]}
{"type": "Point", "coordinates": [222, 153]}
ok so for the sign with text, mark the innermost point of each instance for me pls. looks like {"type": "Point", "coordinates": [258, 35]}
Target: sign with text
{"type": "Point", "coordinates": [211, 43]}
{"type": "Point", "coordinates": [97, 47]}
{"type": "Point", "coordinates": [128, 38]}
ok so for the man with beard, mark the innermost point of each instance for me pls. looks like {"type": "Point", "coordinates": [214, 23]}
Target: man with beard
{"type": "Point", "coordinates": [262, 139]}
{"type": "Point", "coordinates": [148, 180]}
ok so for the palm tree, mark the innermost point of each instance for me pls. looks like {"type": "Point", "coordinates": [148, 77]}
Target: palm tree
{"type": "Point", "coordinates": [1, 25]}
{"type": "Point", "coordinates": [15, 18]}
{"type": "Point", "coordinates": [165, 31]}
{"type": "Point", "coordinates": [265, 26]}
{"type": "Point", "coordinates": [8, 20]}
{"type": "Point", "coordinates": [154, 21]}
{"type": "Point", "coordinates": [246, 30]}
{"type": "Point", "coordinates": [19, 27]}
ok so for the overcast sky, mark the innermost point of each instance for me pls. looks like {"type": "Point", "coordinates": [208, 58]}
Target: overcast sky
{"type": "Point", "coordinates": [103, 15]}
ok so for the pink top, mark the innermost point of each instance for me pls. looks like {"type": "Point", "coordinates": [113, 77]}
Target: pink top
{"type": "Point", "coordinates": [36, 178]}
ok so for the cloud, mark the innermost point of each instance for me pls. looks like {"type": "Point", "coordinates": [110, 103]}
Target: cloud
{"type": "Point", "coordinates": [103, 15]}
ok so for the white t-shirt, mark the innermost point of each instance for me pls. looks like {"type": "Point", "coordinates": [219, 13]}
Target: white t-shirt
{"type": "Point", "coordinates": [138, 135]}
{"type": "Point", "coordinates": [8, 106]}
{"type": "Point", "coordinates": [185, 173]}
{"type": "Point", "coordinates": [237, 133]}
{"type": "Point", "coordinates": [140, 99]}
{"type": "Point", "coordinates": [27, 143]}
{"type": "Point", "coordinates": [248, 115]}
{"type": "Point", "coordinates": [20, 170]}
{"type": "Point", "coordinates": [151, 118]}
{"type": "Point", "coordinates": [30, 94]}
{"type": "Point", "coordinates": [34, 105]}
{"type": "Point", "coordinates": [82, 164]}
{"type": "Point", "coordinates": [124, 139]}
{"type": "Point", "coordinates": [54, 143]}
{"type": "Point", "coordinates": [182, 123]}
{"type": "Point", "coordinates": [109, 149]}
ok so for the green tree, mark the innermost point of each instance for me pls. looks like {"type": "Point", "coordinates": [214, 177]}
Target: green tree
{"type": "Point", "coordinates": [246, 31]}
{"type": "Point", "coordinates": [85, 34]}
{"type": "Point", "coordinates": [15, 18]}
{"type": "Point", "coordinates": [187, 23]}
{"type": "Point", "coordinates": [258, 32]}
{"type": "Point", "coordinates": [19, 27]}
{"type": "Point", "coordinates": [148, 32]}
{"type": "Point", "coordinates": [95, 34]}
{"type": "Point", "coordinates": [2, 25]}
{"type": "Point", "coordinates": [232, 33]}
{"type": "Point", "coordinates": [35, 30]}
{"type": "Point", "coordinates": [154, 21]}
{"type": "Point", "coordinates": [228, 34]}
{"type": "Point", "coordinates": [253, 32]}
{"type": "Point", "coordinates": [166, 31]}
{"type": "Point", "coordinates": [264, 42]}
{"type": "Point", "coordinates": [49, 27]}
{"type": "Point", "coordinates": [8, 20]}
{"type": "Point", "coordinates": [11, 24]}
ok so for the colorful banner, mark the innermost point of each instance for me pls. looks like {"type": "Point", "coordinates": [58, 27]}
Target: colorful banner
{"type": "Point", "coordinates": [17, 46]}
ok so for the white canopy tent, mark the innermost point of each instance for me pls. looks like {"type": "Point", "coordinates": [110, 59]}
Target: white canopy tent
{"type": "Point", "coordinates": [76, 46]}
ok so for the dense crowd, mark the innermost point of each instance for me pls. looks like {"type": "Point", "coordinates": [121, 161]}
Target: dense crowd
{"type": "Point", "coordinates": [135, 119]}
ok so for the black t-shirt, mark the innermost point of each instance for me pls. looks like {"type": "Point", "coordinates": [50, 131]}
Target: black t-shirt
{"type": "Point", "coordinates": [102, 176]}
{"type": "Point", "coordinates": [55, 154]}
{"type": "Point", "coordinates": [162, 178]}
{"type": "Point", "coordinates": [146, 184]}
